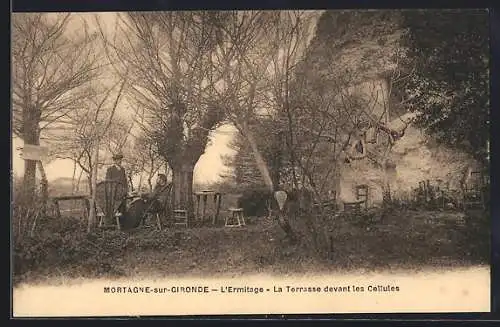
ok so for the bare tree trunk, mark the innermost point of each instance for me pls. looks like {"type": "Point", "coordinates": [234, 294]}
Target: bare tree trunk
{"type": "Point", "coordinates": [73, 178]}
{"type": "Point", "coordinates": [78, 181]}
{"type": "Point", "coordinates": [29, 180]}
{"type": "Point", "coordinates": [89, 183]}
{"type": "Point", "coordinates": [183, 188]}
{"type": "Point", "coordinates": [33, 226]}
{"type": "Point", "coordinates": [283, 220]}
{"type": "Point", "coordinates": [30, 137]}
{"type": "Point", "coordinates": [45, 188]}
{"type": "Point", "coordinates": [150, 182]}
{"type": "Point", "coordinates": [93, 186]}
{"type": "Point", "coordinates": [261, 164]}
{"type": "Point", "coordinates": [131, 182]}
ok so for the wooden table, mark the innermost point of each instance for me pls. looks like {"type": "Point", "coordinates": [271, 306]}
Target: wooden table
{"type": "Point", "coordinates": [203, 196]}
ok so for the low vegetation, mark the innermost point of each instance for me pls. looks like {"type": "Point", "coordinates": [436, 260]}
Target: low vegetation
{"type": "Point", "coordinates": [403, 239]}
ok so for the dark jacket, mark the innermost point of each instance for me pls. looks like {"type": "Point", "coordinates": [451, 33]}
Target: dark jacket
{"type": "Point", "coordinates": [160, 197]}
{"type": "Point", "coordinates": [161, 192]}
{"type": "Point", "coordinates": [116, 173]}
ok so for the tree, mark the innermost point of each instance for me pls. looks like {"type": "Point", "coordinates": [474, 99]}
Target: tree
{"type": "Point", "coordinates": [449, 51]}
{"type": "Point", "coordinates": [254, 68]}
{"type": "Point", "coordinates": [153, 162]}
{"type": "Point", "coordinates": [87, 127]}
{"type": "Point", "coordinates": [290, 36]}
{"type": "Point", "coordinates": [242, 165]}
{"type": "Point", "coordinates": [143, 158]}
{"type": "Point", "coordinates": [51, 72]}
{"type": "Point", "coordinates": [168, 55]}
{"type": "Point", "coordinates": [238, 75]}
{"type": "Point", "coordinates": [340, 92]}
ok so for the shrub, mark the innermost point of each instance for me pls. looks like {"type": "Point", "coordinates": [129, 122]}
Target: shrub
{"type": "Point", "coordinates": [255, 202]}
{"type": "Point", "coordinates": [26, 212]}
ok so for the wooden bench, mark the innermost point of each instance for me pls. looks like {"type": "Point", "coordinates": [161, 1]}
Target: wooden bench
{"type": "Point", "coordinates": [353, 207]}
{"type": "Point", "coordinates": [84, 198]}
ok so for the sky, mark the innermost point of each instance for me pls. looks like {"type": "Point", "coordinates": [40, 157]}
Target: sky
{"type": "Point", "coordinates": [207, 170]}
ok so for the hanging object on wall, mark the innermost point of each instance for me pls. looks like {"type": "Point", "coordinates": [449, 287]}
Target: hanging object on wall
{"type": "Point", "coordinates": [280, 197]}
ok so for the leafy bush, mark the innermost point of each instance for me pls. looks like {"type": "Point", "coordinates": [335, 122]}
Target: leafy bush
{"type": "Point", "coordinates": [26, 212]}
{"type": "Point", "coordinates": [64, 243]}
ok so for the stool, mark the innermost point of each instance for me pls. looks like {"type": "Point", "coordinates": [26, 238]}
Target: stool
{"type": "Point", "coordinates": [181, 218]}
{"type": "Point", "coordinates": [235, 219]}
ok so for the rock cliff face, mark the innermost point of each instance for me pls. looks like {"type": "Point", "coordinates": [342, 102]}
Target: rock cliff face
{"type": "Point", "coordinates": [415, 155]}
{"type": "Point", "coordinates": [363, 48]}
{"type": "Point", "coordinates": [416, 159]}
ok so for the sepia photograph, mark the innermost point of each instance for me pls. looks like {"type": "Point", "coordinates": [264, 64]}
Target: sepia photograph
{"type": "Point", "coordinates": [176, 163]}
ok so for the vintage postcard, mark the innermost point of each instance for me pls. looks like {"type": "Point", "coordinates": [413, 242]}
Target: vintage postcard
{"type": "Point", "coordinates": [250, 162]}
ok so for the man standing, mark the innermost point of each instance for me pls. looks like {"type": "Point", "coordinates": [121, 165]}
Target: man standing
{"type": "Point", "coordinates": [117, 173]}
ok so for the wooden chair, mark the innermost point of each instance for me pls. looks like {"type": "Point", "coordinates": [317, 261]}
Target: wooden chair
{"type": "Point", "coordinates": [201, 205]}
{"type": "Point", "coordinates": [158, 205]}
{"type": "Point", "coordinates": [362, 194]}
{"type": "Point", "coordinates": [473, 191]}
{"type": "Point", "coordinates": [180, 218]}
{"type": "Point", "coordinates": [328, 206]}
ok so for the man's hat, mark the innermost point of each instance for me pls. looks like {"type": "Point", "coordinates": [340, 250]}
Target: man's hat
{"type": "Point", "coordinates": [117, 156]}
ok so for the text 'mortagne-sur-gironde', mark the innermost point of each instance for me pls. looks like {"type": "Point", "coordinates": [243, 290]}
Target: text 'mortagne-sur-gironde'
{"type": "Point", "coordinates": [249, 289]}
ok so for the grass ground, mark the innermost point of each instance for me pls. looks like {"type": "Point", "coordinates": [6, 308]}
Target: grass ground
{"type": "Point", "coordinates": [404, 240]}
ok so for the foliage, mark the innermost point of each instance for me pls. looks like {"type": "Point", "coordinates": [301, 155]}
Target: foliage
{"type": "Point", "coordinates": [354, 242]}
{"type": "Point", "coordinates": [255, 202]}
{"type": "Point", "coordinates": [26, 211]}
{"type": "Point", "coordinates": [449, 51]}
{"type": "Point", "coordinates": [321, 112]}
{"type": "Point", "coordinates": [63, 243]}
{"type": "Point", "coordinates": [242, 165]}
